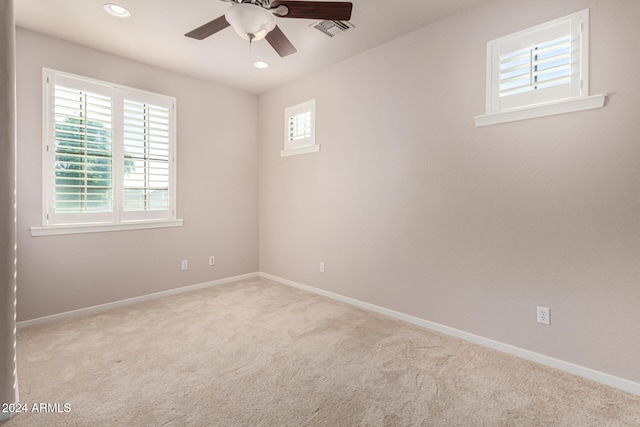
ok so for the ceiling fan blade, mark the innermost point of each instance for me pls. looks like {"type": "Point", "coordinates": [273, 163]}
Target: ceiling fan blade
{"type": "Point", "coordinates": [280, 42]}
{"type": "Point", "coordinates": [329, 10]}
{"type": "Point", "coordinates": [208, 29]}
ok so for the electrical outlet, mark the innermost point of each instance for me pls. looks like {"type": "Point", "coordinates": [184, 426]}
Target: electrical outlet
{"type": "Point", "coordinates": [185, 264]}
{"type": "Point", "coordinates": [322, 267]}
{"type": "Point", "coordinates": [544, 315]}
{"type": "Point", "coordinates": [212, 260]}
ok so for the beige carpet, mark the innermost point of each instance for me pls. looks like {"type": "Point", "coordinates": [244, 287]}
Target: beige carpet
{"type": "Point", "coordinates": [259, 353]}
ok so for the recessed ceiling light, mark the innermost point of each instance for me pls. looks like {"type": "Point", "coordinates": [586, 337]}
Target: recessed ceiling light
{"type": "Point", "coordinates": [260, 64]}
{"type": "Point", "coordinates": [116, 10]}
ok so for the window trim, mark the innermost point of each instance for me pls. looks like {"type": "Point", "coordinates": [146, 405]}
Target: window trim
{"type": "Point", "coordinates": [306, 145]}
{"type": "Point", "coordinates": [579, 99]}
{"type": "Point", "coordinates": [56, 230]}
{"type": "Point", "coordinates": [542, 110]}
{"type": "Point", "coordinates": [301, 150]}
{"type": "Point", "coordinates": [117, 223]}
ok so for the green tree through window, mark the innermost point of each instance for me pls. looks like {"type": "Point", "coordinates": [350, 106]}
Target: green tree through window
{"type": "Point", "coordinates": [84, 166]}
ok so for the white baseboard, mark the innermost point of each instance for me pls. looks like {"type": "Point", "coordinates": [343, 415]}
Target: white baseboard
{"type": "Point", "coordinates": [580, 371]}
{"type": "Point", "coordinates": [135, 300]}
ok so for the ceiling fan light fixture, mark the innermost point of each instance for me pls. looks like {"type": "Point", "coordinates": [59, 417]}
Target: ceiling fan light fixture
{"type": "Point", "coordinates": [261, 64]}
{"type": "Point", "coordinates": [250, 21]}
{"type": "Point", "coordinates": [117, 10]}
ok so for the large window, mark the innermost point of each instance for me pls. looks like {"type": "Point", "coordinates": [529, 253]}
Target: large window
{"type": "Point", "coordinates": [109, 154]}
{"type": "Point", "coordinates": [540, 71]}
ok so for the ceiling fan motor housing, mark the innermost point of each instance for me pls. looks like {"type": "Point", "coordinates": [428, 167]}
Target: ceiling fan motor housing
{"type": "Point", "coordinates": [255, 20]}
{"type": "Point", "coordinates": [251, 21]}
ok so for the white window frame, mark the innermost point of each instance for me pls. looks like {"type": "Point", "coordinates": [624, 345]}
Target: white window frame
{"type": "Point", "coordinates": [564, 98]}
{"type": "Point", "coordinates": [300, 145]}
{"type": "Point", "coordinates": [117, 219]}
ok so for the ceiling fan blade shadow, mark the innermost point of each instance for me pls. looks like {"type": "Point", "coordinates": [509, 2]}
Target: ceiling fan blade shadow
{"type": "Point", "coordinates": [209, 28]}
{"type": "Point", "coordinates": [280, 42]}
{"type": "Point", "coordinates": [329, 10]}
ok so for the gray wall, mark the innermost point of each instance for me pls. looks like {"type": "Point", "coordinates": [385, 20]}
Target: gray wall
{"type": "Point", "coordinates": [217, 190]}
{"type": "Point", "coordinates": [413, 208]}
{"type": "Point", "coordinates": [8, 392]}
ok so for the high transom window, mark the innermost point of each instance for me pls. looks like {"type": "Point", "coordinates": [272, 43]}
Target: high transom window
{"type": "Point", "coordinates": [300, 129]}
{"type": "Point", "coordinates": [539, 71]}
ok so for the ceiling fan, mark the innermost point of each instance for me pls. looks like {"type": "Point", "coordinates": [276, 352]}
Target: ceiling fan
{"type": "Point", "coordinates": [256, 19]}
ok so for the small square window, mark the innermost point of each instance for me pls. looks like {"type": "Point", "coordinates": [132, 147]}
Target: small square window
{"type": "Point", "coordinates": [540, 71]}
{"type": "Point", "coordinates": [300, 129]}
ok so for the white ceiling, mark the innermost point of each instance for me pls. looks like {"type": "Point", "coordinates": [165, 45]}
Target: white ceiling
{"type": "Point", "coordinates": [154, 34]}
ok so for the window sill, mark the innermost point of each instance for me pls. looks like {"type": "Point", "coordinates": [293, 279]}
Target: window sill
{"type": "Point", "coordinates": [54, 230]}
{"type": "Point", "coordinates": [541, 110]}
{"type": "Point", "coordinates": [301, 150]}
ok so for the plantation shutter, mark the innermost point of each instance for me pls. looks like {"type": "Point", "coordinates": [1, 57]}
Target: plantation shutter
{"type": "Point", "coordinates": [148, 157]}
{"type": "Point", "coordinates": [538, 65]}
{"type": "Point", "coordinates": [300, 125]}
{"type": "Point", "coordinates": [109, 153]}
{"type": "Point", "coordinates": [80, 151]}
